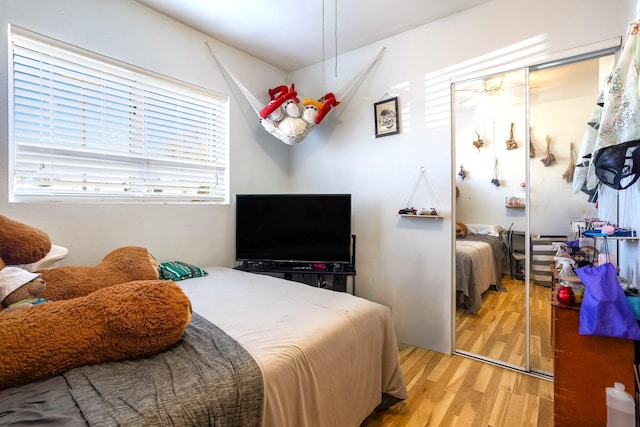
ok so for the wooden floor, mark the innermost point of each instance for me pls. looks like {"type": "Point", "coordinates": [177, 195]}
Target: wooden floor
{"type": "Point", "coordinates": [497, 329]}
{"type": "Point", "coordinates": [450, 390]}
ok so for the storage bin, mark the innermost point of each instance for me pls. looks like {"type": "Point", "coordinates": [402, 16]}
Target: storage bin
{"type": "Point", "coordinates": [542, 253]}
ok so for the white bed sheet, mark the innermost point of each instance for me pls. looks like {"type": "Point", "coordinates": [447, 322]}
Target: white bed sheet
{"type": "Point", "coordinates": [326, 357]}
{"type": "Point", "coordinates": [475, 271]}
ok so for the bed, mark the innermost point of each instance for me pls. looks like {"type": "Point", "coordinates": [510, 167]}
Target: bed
{"type": "Point", "coordinates": [479, 263]}
{"type": "Point", "coordinates": [260, 351]}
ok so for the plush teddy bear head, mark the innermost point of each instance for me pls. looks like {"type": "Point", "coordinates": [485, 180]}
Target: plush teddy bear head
{"type": "Point", "coordinates": [461, 229]}
{"type": "Point", "coordinates": [19, 287]}
{"type": "Point", "coordinates": [21, 243]}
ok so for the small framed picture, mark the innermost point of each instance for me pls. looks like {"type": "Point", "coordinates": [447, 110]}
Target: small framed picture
{"type": "Point", "coordinates": [386, 115]}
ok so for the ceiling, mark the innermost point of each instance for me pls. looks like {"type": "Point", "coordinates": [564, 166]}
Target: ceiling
{"type": "Point", "coordinates": [289, 33]}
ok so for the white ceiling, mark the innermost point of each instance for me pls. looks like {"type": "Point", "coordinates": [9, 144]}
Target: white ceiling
{"type": "Point", "coordinates": [289, 33]}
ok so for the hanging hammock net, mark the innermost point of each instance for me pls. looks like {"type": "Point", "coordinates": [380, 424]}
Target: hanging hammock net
{"type": "Point", "coordinates": [284, 115]}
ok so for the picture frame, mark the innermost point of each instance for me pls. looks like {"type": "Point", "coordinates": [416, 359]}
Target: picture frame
{"type": "Point", "coordinates": [386, 117]}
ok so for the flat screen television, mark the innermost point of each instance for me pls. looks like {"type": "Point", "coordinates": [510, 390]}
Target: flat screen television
{"type": "Point", "coordinates": [302, 228]}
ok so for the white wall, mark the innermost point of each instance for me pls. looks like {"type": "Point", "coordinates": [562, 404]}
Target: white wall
{"type": "Point", "coordinates": [406, 263]}
{"type": "Point", "coordinates": [130, 32]}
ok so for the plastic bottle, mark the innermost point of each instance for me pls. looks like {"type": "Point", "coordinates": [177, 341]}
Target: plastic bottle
{"type": "Point", "coordinates": [567, 266]}
{"type": "Point", "coordinates": [568, 292]}
{"type": "Point", "coordinates": [621, 408]}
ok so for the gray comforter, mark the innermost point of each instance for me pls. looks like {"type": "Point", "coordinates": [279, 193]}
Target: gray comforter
{"type": "Point", "coordinates": [499, 254]}
{"type": "Point", "coordinates": [206, 379]}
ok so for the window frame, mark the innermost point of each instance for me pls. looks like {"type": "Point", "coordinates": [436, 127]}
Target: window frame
{"type": "Point", "coordinates": [147, 149]}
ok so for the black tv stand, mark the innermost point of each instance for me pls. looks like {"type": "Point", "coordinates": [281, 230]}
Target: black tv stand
{"type": "Point", "coordinates": [328, 275]}
{"type": "Point", "coordinates": [280, 267]}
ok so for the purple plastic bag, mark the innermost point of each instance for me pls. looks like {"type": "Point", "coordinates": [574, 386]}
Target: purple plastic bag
{"type": "Point", "coordinates": [605, 310]}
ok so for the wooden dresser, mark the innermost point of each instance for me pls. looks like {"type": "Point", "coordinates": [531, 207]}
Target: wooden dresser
{"type": "Point", "coordinates": [584, 367]}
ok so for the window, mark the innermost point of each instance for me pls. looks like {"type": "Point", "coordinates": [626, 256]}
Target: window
{"type": "Point", "coordinates": [86, 128]}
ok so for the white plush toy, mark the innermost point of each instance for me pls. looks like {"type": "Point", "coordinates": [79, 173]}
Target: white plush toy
{"type": "Point", "coordinates": [283, 117]}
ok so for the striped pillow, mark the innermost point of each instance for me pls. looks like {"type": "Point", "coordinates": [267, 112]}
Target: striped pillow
{"type": "Point", "coordinates": [177, 270]}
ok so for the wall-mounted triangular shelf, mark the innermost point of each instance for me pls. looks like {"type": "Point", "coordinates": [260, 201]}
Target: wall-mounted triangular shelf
{"type": "Point", "coordinates": [432, 211]}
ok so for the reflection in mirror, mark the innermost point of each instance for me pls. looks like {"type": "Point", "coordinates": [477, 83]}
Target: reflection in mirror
{"type": "Point", "coordinates": [561, 101]}
{"type": "Point", "coordinates": [514, 153]}
{"type": "Point", "coordinates": [490, 155]}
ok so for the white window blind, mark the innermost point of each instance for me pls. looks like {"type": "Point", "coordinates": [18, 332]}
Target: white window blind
{"type": "Point", "coordinates": [85, 128]}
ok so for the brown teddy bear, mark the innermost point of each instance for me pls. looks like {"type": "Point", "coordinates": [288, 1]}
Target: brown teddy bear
{"type": "Point", "coordinates": [124, 321]}
{"type": "Point", "coordinates": [86, 321]}
{"type": "Point", "coordinates": [121, 265]}
{"type": "Point", "coordinates": [461, 229]}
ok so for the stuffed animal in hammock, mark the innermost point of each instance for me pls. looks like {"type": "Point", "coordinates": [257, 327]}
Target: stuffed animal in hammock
{"type": "Point", "coordinates": [286, 120]}
{"type": "Point", "coordinates": [92, 316]}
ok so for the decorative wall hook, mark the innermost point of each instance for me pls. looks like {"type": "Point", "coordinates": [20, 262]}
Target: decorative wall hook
{"type": "Point", "coordinates": [549, 159]}
{"type": "Point", "coordinates": [479, 142]}
{"type": "Point", "coordinates": [462, 173]}
{"type": "Point", "coordinates": [495, 181]}
{"type": "Point", "coordinates": [511, 142]}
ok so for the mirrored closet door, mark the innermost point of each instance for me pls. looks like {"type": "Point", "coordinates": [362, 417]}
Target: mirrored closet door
{"type": "Point", "coordinates": [490, 158]}
{"type": "Point", "coordinates": [516, 139]}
